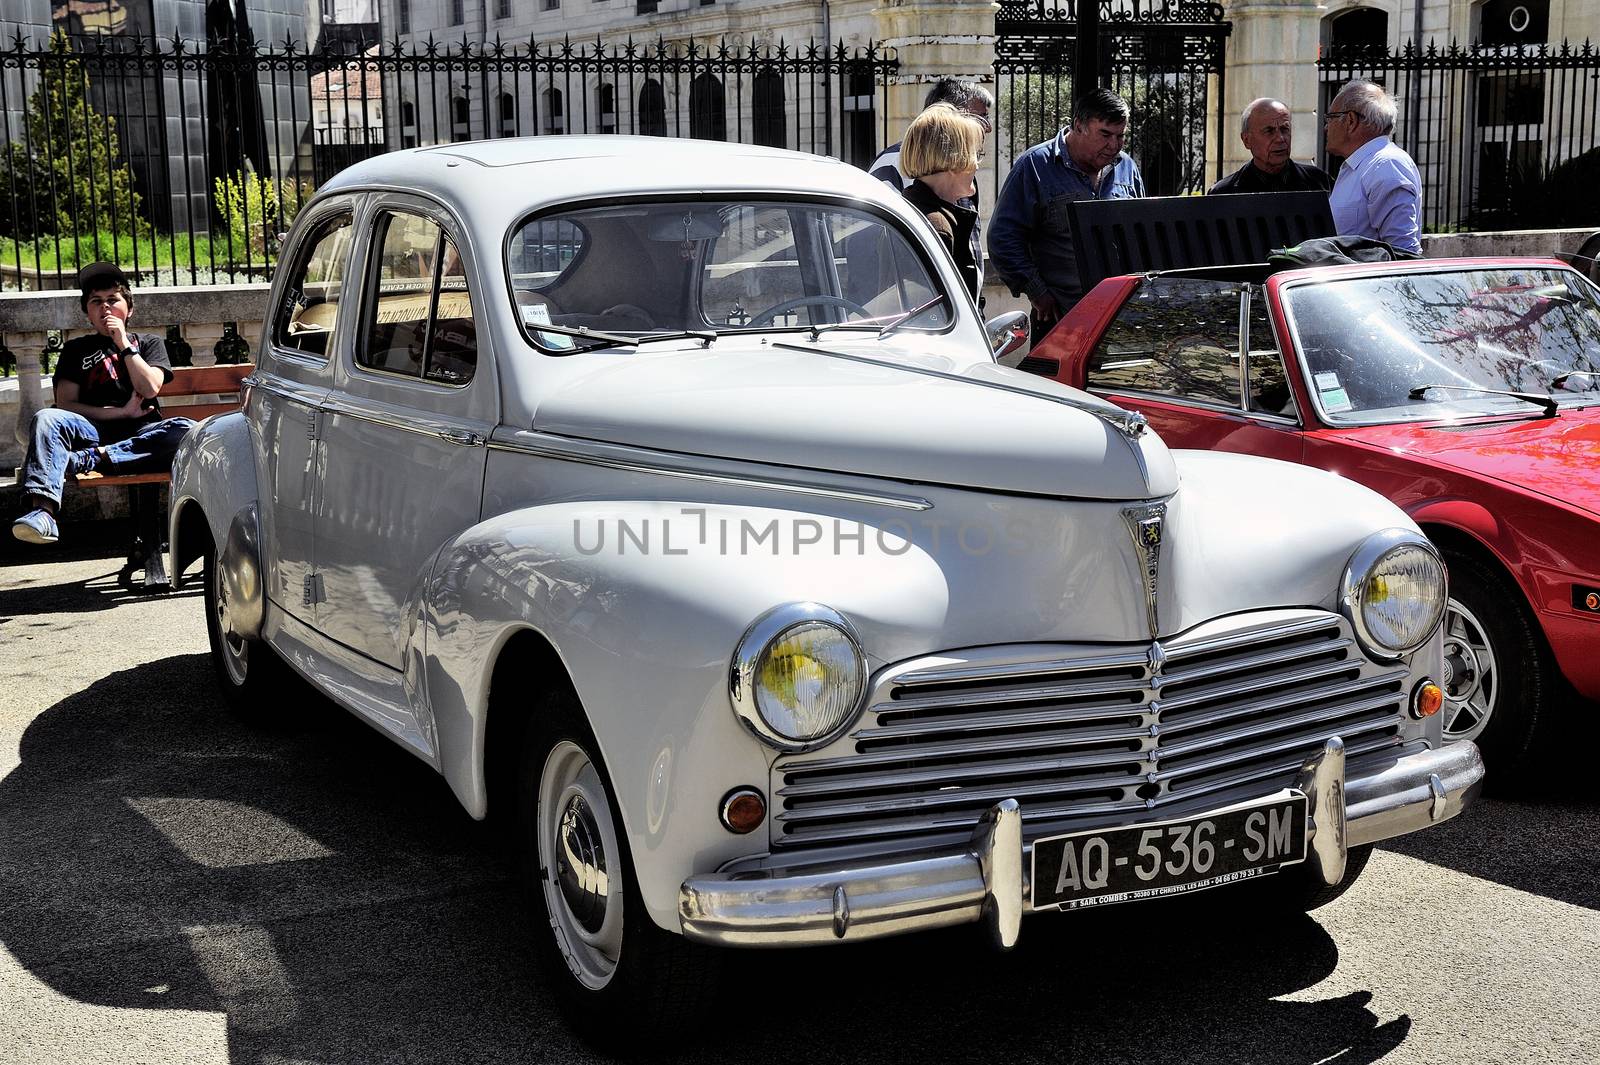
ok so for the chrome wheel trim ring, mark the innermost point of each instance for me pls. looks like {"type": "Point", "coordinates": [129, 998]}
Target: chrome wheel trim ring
{"type": "Point", "coordinates": [235, 649]}
{"type": "Point", "coordinates": [579, 865]}
{"type": "Point", "coordinates": [1472, 681]}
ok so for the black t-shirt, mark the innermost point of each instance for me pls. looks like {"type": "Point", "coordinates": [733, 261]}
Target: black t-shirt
{"type": "Point", "coordinates": [91, 363]}
{"type": "Point", "coordinates": [1294, 177]}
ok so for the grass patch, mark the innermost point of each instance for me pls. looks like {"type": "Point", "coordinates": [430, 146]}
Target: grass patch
{"type": "Point", "coordinates": [162, 258]}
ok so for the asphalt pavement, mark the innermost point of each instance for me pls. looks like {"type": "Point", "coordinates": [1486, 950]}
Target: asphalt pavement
{"type": "Point", "coordinates": [177, 887]}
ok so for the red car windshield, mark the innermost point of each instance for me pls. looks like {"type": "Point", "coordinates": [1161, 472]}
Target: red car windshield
{"type": "Point", "coordinates": [1427, 345]}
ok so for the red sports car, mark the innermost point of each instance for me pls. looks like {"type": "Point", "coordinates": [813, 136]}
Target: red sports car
{"type": "Point", "coordinates": [1465, 390]}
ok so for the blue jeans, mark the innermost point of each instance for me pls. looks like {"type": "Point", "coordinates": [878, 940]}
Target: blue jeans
{"type": "Point", "coordinates": [55, 435]}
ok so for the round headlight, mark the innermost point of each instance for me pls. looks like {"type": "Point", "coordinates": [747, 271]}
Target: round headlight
{"type": "Point", "coordinates": [798, 676]}
{"type": "Point", "coordinates": [1394, 593]}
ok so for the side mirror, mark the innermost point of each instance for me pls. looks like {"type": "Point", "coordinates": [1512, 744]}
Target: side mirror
{"type": "Point", "coordinates": [1007, 332]}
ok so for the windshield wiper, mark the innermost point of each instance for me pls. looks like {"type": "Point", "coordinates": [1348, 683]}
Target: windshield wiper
{"type": "Point", "coordinates": [1548, 403]}
{"type": "Point", "coordinates": [884, 328]}
{"type": "Point", "coordinates": [706, 335]}
{"type": "Point", "coordinates": [913, 313]}
{"type": "Point", "coordinates": [583, 333]}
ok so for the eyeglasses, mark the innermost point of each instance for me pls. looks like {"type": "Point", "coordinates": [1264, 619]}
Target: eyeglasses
{"type": "Point", "coordinates": [1329, 116]}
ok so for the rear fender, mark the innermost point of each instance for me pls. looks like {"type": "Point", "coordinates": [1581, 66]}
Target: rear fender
{"type": "Point", "coordinates": [214, 475]}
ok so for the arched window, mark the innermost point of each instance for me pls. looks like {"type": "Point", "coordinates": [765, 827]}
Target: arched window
{"type": "Point", "coordinates": [508, 115]}
{"type": "Point", "coordinates": [408, 124]}
{"type": "Point", "coordinates": [708, 113]}
{"type": "Point", "coordinates": [768, 121]}
{"type": "Point", "coordinates": [555, 115]}
{"type": "Point", "coordinates": [460, 119]}
{"type": "Point", "coordinates": [652, 109]}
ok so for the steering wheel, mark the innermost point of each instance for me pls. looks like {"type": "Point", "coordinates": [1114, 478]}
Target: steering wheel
{"type": "Point", "coordinates": [804, 301]}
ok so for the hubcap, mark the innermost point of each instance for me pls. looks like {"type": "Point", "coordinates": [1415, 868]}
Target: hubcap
{"type": "Point", "coordinates": [235, 650]}
{"type": "Point", "coordinates": [1471, 681]}
{"type": "Point", "coordinates": [578, 858]}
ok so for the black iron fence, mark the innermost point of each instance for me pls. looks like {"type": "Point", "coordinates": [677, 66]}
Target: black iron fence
{"type": "Point", "coordinates": [1504, 136]}
{"type": "Point", "coordinates": [1166, 58]}
{"type": "Point", "coordinates": [184, 164]}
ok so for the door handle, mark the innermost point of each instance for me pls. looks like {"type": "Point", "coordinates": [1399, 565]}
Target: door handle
{"type": "Point", "coordinates": [464, 437]}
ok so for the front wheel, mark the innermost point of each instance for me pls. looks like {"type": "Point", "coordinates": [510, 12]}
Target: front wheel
{"type": "Point", "coordinates": [1497, 672]}
{"type": "Point", "coordinates": [248, 670]}
{"type": "Point", "coordinates": [622, 982]}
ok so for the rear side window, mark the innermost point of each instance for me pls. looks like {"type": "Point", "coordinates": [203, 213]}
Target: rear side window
{"type": "Point", "coordinates": [419, 315]}
{"type": "Point", "coordinates": [1175, 337]}
{"type": "Point", "coordinates": [310, 304]}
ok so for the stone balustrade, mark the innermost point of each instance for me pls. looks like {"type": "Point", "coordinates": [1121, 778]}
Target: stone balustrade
{"type": "Point", "coordinates": [28, 319]}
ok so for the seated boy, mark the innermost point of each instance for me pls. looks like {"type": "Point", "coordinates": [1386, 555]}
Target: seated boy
{"type": "Point", "coordinates": [106, 419]}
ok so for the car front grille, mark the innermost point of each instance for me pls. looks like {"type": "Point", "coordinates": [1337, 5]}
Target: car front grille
{"type": "Point", "coordinates": [1085, 735]}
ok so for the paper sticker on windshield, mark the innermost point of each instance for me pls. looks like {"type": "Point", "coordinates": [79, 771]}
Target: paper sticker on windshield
{"type": "Point", "coordinates": [538, 314]}
{"type": "Point", "coordinates": [1334, 397]}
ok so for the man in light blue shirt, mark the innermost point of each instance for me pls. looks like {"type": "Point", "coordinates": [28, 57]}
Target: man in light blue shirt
{"type": "Point", "coordinates": [1030, 235]}
{"type": "Point", "coordinates": [1378, 192]}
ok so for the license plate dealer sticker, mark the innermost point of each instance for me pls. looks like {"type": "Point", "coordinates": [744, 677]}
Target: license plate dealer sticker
{"type": "Point", "coordinates": [1097, 868]}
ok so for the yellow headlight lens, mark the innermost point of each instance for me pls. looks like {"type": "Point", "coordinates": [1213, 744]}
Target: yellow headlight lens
{"type": "Point", "coordinates": [809, 681]}
{"type": "Point", "coordinates": [1402, 599]}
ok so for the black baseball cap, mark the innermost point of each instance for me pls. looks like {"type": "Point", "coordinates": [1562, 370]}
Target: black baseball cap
{"type": "Point", "coordinates": [97, 276]}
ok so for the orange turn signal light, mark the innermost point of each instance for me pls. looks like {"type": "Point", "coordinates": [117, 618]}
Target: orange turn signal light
{"type": "Point", "coordinates": [1427, 700]}
{"type": "Point", "coordinates": [743, 810]}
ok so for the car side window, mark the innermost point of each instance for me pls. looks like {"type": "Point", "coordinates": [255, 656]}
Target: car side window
{"type": "Point", "coordinates": [1269, 383]}
{"type": "Point", "coordinates": [310, 302]}
{"type": "Point", "coordinates": [419, 311]}
{"type": "Point", "coordinates": [1174, 337]}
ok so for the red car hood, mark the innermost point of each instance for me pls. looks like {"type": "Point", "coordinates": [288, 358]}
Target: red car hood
{"type": "Point", "coordinates": [1555, 457]}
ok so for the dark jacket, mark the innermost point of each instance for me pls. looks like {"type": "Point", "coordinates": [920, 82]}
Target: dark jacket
{"type": "Point", "coordinates": [954, 224]}
{"type": "Point", "coordinates": [1294, 177]}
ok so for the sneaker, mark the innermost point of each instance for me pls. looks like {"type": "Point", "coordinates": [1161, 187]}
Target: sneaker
{"type": "Point", "coordinates": [84, 464]}
{"type": "Point", "coordinates": [36, 527]}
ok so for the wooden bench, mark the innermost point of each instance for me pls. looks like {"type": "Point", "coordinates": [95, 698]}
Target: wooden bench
{"type": "Point", "coordinates": [144, 489]}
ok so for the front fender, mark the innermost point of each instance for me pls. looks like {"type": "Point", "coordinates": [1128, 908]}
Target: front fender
{"type": "Point", "coordinates": [214, 473]}
{"type": "Point", "coordinates": [646, 634]}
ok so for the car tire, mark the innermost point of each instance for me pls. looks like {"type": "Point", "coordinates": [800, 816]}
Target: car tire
{"type": "Point", "coordinates": [623, 983]}
{"type": "Point", "coordinates": [1497, 671]}
{"type": "Point", "coordinates": [249, 672]}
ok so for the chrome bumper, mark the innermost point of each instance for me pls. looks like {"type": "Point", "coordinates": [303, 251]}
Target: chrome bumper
{"type": "Point", "coordinates": [987, 879]}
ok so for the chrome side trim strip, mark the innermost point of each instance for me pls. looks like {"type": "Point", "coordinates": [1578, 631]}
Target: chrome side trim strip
{"type": "Point", "coordinates": [440, 430]}
{"type": "Point", "coordinates": [567, 454]}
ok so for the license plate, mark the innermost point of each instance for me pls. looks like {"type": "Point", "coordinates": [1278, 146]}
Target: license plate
{"type": "Point", "coordinates": [1097, 868]}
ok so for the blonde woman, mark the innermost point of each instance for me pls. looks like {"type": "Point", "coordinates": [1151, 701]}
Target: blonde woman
{"type": "Point", "coordinates": [940, 153]}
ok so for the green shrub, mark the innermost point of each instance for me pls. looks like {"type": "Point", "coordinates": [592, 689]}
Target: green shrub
{"type": "Point", "coordinates": [254, 210]}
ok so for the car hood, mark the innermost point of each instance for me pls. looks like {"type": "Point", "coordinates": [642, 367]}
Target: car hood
{"type": "Point", "coordinates": [843, 408]}
{"type": "Point", "coordinates": [1554, 457]}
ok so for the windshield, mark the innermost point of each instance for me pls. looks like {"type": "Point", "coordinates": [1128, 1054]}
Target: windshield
{"type": "Point", "coordinates": [639, 270]}
{"type": "Point", "coordinates": [1416, 345]}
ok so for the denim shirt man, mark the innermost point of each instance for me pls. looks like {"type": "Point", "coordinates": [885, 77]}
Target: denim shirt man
{"type": "Point", "coordinates": [1030, 236]}
{"type": "Point", "coordinates": [1379, 194]}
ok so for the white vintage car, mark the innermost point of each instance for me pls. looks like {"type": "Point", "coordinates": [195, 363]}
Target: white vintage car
{"type": "Point", "coordinates": [668, 498]}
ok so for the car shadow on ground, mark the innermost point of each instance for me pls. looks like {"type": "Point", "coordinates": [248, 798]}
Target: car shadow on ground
{"type": "Point", "coordinates": [322, 889]}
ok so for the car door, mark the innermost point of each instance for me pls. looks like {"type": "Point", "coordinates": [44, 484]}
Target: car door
{"type": "Point", "coordinates": [405, 428]}
{"type": "Point", "coordinates": [295, 372]}
{"type": "Point", "coordinates": [1173, 352]}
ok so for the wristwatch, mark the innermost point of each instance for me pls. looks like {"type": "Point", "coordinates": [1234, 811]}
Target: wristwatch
{"type": "Point", "coordinates": [128, 350]}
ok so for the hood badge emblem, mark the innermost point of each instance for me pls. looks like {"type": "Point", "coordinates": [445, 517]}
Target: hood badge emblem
{"type": "Point", "coordinates": [1130, 424]}
{"type": "Point", "coordinates": [1145, 524]}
